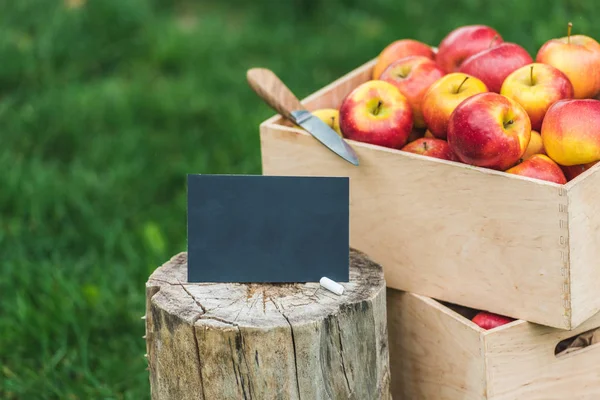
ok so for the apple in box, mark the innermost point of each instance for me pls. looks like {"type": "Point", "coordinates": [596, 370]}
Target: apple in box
{"type": "Point", "coordinates": [413, 76]}
{"type": "Point", "coordinates": [489, 130]}
{"type": "Point", "coordinates": [431, 147]}
{"type": "Point", "coordinates": [461, 43]}
{"type": "Point", "coordinates": [493, 65]}
{"type": "Point", "coordinates": [573, 171]}
{"type": "Point", "coordinates": [488, 320]}
{"type": "Point", "coordinates": [571, 131]}
{"type": "Point", "coordinates": [535, 146]}
{"type": "Point", "coordinates": [444, 96]}
{"type": "Point", "coordinates": [536, 87]}
{"type": "Point", "coordinates": [331, 117]}
{"type": "Point", "coordinates": [400, 49]}
{"type": "Point", "coordinates": [539, 166]}
{"type": "Point", "coordinates": [578, 57]}
{"type": "Point", "coordinates": [376, 112]}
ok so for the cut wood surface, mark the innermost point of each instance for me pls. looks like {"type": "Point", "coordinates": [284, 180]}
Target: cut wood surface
{"type": "Point", "coordinates": [267, 341]}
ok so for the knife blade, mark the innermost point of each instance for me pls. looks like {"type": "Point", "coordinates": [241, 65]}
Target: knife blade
{"type": "Point", "coordinates": [277, 95]}
{"type": "Point", "coordinates": [324, 134]}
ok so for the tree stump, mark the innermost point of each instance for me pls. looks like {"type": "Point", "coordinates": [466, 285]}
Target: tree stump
{"type": "Point", "coordinates": [215, 341]}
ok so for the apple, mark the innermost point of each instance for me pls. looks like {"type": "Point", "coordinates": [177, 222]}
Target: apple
{"type": "Point", "coordinates": [400, 49]}
{"type": "Point", "coordinates": [376, 112]}
{"type": "Point", "coordinates": [462, 43]}
{"type": "Point", "coordinates": [413, 75]}
{"type": "Point", "coordinates": [535, 146]}
{"type": "Point", "coordinates": [489, 130]}
{"type": "Point", "coordinates": [493, 65]}
{"type": "Point", "coordinates": [428, 134]}
{"type": "Point", "coordinates": [578, 57]}
{"type": "Point", "coordinates": [431, 147]}
{"type": "Point", "coordinates": [571, 131]}
{"type": "Point", "coordinates": [443, 96]}
{"type": "Point", "coordinates": [331, 117]}
{"type": "Point", "coordinates": [539, 166]}
{"type": "Point", "coordinates": [488, 320]}
{"type": "Point", "coordinates": [573, 171]}
{"type": "Point", "coordinates": [536, 87]}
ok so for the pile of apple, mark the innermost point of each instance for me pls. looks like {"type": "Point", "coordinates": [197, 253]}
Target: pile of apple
{"type": "Point", "coordinates": [481, 101]}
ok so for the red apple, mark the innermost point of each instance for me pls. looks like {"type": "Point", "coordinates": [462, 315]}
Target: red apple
{"type": "Point", "coordinates": [578, 57]}
{"type": "Point", "coordinates": [573, 171]}
{"type": "Point", "coordinates": [493, 65]}
{"type": "Point", "coordinates": [413, 75]}
{"type": "Point", "coordinates": [462, 43]}
{"type": "Point", "coordinates": [400, 49]}
{"type": "Point", "coordinates": [442, 98]}
{"type": "Point", "coordinates": [539, 166]}
{"type": "Point", "coordinates": [428, 134]}
{"type": "Point", "coordinates": [436, 148]}
{"type": "Point", "coordinates": [535, 146]}
{"type": "Point", "coordinates": [376, 112]}
{"type": "Point", "coordinates": [571, 131]}
{"type": "Point", "coordinates": [489, 130]}
{"type": "Point", "coordinates": [488, 320]}
{"type": "Point", "coordinates": [536, 87]}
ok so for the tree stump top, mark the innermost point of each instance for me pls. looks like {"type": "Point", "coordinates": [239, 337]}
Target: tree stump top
{"type": "Point", "coordinates": [259, 305]}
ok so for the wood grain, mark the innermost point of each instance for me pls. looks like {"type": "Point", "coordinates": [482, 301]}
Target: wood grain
{"type": "Point", "coordinates": [273, 91]}
{"type": "Point", "coordinates": [434, 353]}
{"type": "Point", "coordinates": [260, 341]}
{"type": "Point", "coordinates": [521, 364]}
{"type": "Point", "coordinates": [584, 245]}
{"type": "Point", "coordinates": [471, 236]}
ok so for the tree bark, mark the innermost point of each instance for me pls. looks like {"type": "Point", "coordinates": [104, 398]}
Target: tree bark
{"type": "Point", "coordinates": [213, 341]}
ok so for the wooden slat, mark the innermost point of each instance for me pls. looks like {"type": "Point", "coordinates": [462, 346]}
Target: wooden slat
{"type": "Point", "coordinates": [584, 244]}
{"type": "Point", "coordinates": [521, 364]}
{"type": "Point", "coordinates": [434, 353]}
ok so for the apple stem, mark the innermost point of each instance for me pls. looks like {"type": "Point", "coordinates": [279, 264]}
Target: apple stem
{"type": "Point", "coordinates": [531, 75]}
{"type": "Point", "coordinates": [461, 84]}
{"type": "Point", "coordinates": [377, 108]}
{"type": "Point", "coordinates": [569, 27]}
{"type": "Point", "coordinates": [493, 40]}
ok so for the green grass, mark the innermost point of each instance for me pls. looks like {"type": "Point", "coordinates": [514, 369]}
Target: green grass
{"type": "Point", "coordinates": [105, 108]}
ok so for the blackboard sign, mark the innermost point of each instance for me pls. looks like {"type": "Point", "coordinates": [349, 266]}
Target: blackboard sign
{"type": "Point", "coordinates": [257, 228]}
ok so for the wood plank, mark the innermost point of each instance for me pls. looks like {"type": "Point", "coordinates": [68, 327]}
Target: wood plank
{"type": "Point", "coordinates": [521, 364]}
{"type": "Point", "coordinates": [467, 235]}
{"type": "Point", "coordinates": [434, 353]}
{"type": "Point", "coordinates": [584, 243]}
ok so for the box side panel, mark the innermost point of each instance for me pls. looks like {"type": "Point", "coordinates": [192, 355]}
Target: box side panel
{"type": "Point", "coordinates": [470, 236]}
{"type": "Point", "coordinates": [521, 364]}
{"type": "Point", "coordinates": [584, 243]}
{"type": "Point", "coordinates": [432, 354]}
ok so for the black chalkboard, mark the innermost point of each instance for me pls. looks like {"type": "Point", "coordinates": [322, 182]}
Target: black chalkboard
{"type": "Point", "coordinates": [256, 228]}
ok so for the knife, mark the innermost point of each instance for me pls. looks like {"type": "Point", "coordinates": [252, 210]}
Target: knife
{"type": "Point", "coordinates": [277, 95]}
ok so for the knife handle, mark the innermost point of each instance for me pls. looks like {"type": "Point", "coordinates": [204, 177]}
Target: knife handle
{"type": "Point", "coordinates": [273, 91]}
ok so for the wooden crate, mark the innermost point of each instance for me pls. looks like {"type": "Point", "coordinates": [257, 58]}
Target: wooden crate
{"type": "Point", "coordinates": [436, 353]}
{"type": "Point", "coordinates": [472, 236]}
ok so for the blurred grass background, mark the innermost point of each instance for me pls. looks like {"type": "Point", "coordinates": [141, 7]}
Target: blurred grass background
{"type": "Point", "coordinates": [106, 105]}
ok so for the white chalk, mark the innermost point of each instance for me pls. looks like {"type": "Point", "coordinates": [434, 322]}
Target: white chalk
{"type": "Point", "coordinates": [332, 286]}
